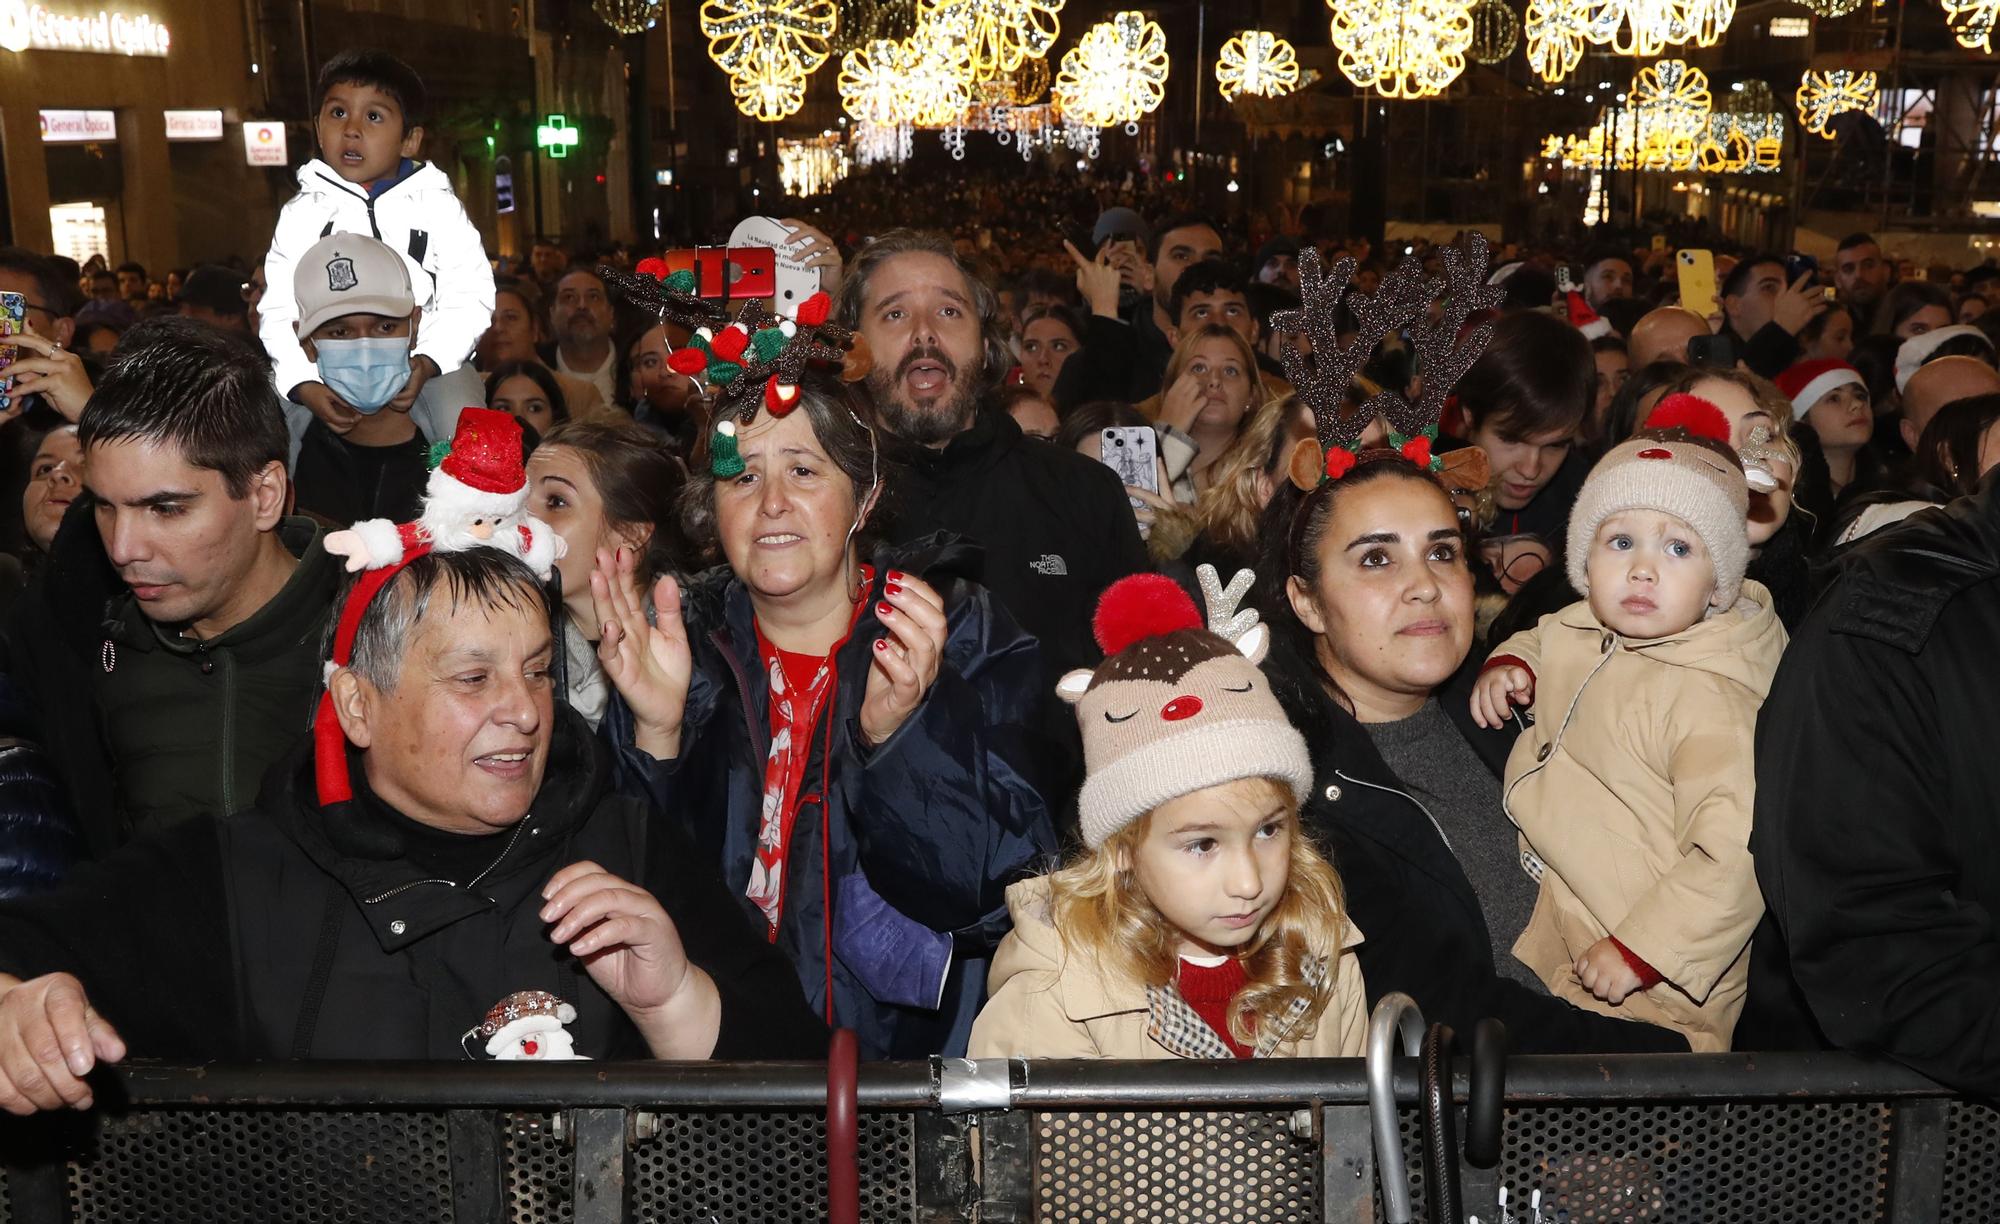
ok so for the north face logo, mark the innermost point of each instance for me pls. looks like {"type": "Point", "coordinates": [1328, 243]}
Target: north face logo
{"type": "Point", "coordinates": [1050, 566]}
{"type": "Point", "coordinates": [340, 275]}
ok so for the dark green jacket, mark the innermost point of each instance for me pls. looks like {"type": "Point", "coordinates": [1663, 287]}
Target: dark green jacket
{"type": "Point", "coordinates": [153, 727]}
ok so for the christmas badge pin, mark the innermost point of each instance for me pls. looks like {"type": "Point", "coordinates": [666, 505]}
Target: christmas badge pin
{"type": "Point", "coordinates": [527, 1026]}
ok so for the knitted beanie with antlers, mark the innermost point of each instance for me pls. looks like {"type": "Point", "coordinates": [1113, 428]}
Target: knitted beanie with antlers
{"type": "Point", "coordinates": [1177, 706]}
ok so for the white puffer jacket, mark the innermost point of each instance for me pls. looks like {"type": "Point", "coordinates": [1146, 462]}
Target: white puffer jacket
{"type": "Point", "coordinates": [420, 218]}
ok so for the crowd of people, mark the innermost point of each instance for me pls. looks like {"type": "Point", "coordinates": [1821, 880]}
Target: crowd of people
{"type": "Point", "coordinates": [1131, 638]}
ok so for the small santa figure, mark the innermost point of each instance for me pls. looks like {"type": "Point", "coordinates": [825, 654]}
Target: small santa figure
{"type": "Point", "coordinates": [528, 1026]}
{"type": "Point", "coordinates": [477, 497]}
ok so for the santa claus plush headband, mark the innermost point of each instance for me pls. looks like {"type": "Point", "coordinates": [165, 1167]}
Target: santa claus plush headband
{"type": "Point", "coordinates": [476, 498]}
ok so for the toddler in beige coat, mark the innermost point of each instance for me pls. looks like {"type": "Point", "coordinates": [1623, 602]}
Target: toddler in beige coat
{"type": "Point", "coordinates": [1633, 788]}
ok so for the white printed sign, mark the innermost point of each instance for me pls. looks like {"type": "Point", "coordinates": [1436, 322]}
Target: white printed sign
{"type": "Point", "coordinates": [194, 125]}
{"type": "Point", "coordinates": [78, 126]}
{"type": "Point", "coordinates": [264, 143]}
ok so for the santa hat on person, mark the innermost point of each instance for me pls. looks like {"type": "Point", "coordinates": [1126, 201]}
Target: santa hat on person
{"type": "Point", "coordinates": [475, 498]}
{"type": "Point", "coordinates": [1803, 382]}
{"type": "Point", "coordinates": [1584, 319]}
{"type": "Point", "coordinates": [1679, 463]}
{"type": "Point", "coordinates": [1914, 352]}
{"type": "Point", "coordinates": [1177, 705]}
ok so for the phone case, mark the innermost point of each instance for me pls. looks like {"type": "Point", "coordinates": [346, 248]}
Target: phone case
{"type": "Point", "coordinates": [1133, 452]}
{"type": "Point", "coordinates": [1697, 280]}
{"type": "Point", "coordinates": [13, 321]}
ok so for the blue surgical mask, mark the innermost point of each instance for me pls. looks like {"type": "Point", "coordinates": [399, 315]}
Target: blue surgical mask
{"type": "Point", "coordinates": [366, 373]}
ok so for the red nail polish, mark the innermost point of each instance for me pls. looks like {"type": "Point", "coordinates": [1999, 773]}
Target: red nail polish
{"type": "Point", "coordinates": [881, 643]}
{"type": "Point", "coordinates": [895, 588]}
{"type": "Point", "coordinates": [896, 575]}
{"type": "Point", "coordinates": [882, 609]}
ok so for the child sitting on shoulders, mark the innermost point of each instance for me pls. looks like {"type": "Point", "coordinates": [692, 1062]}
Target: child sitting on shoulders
{"type": "Point", "coordinates": [1633, 788]}
{"type": "Point", "coordinates": [1200, 922]}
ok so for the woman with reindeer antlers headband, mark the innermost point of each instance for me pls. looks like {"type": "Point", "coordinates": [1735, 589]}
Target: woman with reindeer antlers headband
{"type": "Point", "coordinates": [844, 728]}
{"type": "Point", "coordinates": [1370, 602]}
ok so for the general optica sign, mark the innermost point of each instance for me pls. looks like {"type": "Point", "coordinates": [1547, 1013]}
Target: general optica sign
{"type": "Point", "coordinates": [38, 27]}
{"type": "Point", "coordinates": [78, 126]}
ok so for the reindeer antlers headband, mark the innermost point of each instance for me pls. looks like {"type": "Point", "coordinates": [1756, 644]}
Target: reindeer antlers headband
{"type": "Point", "coordinates": [1323, 376]}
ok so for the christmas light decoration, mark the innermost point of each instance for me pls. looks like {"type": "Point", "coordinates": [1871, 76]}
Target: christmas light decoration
{"type": "Point", "coordinates": [769, 40]}
{"type": "Point", "coordinates": [1402, 48]}
{"type": "Point", "coordinates": [768, 88]}
{"type": "Point", "coordinates": [1116, 74]}
{"type": "Point", "coordinates": [1972, 22]}
{"type": "Point", "coordinates": [1258, 63]}
{"type": "Point", "coordinates": [1824, 95]}
{"type": "Point", "coordinates": [1495, 31]}
{"type": "Point", "coordinates": [1556, 32]}
{"type": "Point", "coordinates": [999, 34]}
{"type": "Point", "coordinates": [870, 83]}
{"type": "Point", "coordinates": [1833, 8]}
{"type": "Point", "coordinates": [935, 73]}
{"type": "Point", "coordinates": [1031, 80]}
{"type": "Point", "coordinates": [629, 16]}
{"type": "Point", "coordinates": [1646, 27]}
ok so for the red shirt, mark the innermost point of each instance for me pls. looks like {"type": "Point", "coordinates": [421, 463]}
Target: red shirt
{"type": "Point", "coordinates": [1208, 989]}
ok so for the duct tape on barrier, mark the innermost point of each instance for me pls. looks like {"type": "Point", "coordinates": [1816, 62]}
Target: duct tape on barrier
{"type": "Point", "coordinates": [966, 1085]}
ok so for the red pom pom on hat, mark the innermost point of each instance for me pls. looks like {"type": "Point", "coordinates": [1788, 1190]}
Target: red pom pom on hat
{"type": "Point", "coordinates": [813, 311]}
{"type": "Point", "coordinates": [1141, 606]}
{"type": "Point", "coordinates": [1692, 413]}
{"type": "Point", "coordinates": [654, 267]}
{"type": "Point", "coordinates": [689, 361]}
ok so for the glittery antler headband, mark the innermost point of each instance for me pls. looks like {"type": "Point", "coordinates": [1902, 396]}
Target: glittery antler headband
{"type": "Point", "coordinates": [1402, 302]}
{"type": "Point", "coordinates": [670, 295]}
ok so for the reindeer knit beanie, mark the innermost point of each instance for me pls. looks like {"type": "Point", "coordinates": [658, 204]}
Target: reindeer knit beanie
{"type": "Point", "coordinates": [1679, 463]}
{"type": "Point", "coordinates": [1176, 706]}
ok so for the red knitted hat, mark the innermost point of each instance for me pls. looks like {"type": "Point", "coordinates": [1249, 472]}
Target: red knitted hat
{"type": "Point", "coordinates": [1805, 381]}
{"type": "Point", "coordinates": [486, 452]}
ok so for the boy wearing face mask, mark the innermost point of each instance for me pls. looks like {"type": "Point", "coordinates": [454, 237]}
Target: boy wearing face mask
{"type": "Point", "coordinates": [367, 179]}
{"type": "Point", "coordinates": [358, 320]}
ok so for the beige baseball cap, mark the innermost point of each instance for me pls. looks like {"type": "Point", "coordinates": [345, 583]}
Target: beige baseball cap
{"type": "Point", "coordinates": [345, 274]}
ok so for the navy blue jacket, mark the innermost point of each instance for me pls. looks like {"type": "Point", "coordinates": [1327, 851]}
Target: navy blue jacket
{"type": "Point", "coordinates": [38, 836]}
{"type": "Point", "coordinates": [935, 822]}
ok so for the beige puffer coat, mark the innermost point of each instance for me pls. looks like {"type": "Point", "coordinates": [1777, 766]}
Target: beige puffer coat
{"type": "Point", "coordinates": [1044, 1003]}
{"type": "Point", "coordinates": [1633, 788]}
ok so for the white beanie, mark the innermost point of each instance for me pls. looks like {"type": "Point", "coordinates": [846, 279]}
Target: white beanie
{"type": "Point", "coordinates": [1679, 464]}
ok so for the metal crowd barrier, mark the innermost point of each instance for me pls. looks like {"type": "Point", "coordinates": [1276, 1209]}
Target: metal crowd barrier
{"type": "Point", "coordinates": [1711, 1138]}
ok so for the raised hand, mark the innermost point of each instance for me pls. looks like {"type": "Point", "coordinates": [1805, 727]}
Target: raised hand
{"type": "Point", "coordinates": [52, 372]}
{"type": "Point", "coordinates": [649, 664]}
{"type": "Point", "coordinates": [1096, 281]}
{"type": "Point", "coordinates": [906, 657]}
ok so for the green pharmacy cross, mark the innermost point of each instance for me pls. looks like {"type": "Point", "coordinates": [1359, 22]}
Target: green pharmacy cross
{"type": "Point", "coordinates": [557, 136]}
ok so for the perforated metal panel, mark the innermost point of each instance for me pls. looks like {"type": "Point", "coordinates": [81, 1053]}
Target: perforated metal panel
{"type": "Point", "coordinates": [1972, 1164]}
{"type": "Point", "coordinates": [1118, 1167]}
{"type": "Point", "coordinates": [540, 1170]}
{"type": "Point", "coordinates": [1756, 1162]}
{"type": "Point", "coordinates": [263, 1166]}
{"type": "Point", "coordinates": [735, 1168]}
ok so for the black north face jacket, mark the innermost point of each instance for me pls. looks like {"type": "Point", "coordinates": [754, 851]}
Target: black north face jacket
{"type": "Point", "coordinates": [292, 931]}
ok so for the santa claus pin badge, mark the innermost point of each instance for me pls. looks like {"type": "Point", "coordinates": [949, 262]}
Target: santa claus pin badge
{"type": "Point", "coordinates": [527, 1026]}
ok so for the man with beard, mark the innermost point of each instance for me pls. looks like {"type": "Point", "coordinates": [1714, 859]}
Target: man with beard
{"type": "Point", "coordinates": [582, 320]}
{"type": "Point", "coordinates": [1056, 527]}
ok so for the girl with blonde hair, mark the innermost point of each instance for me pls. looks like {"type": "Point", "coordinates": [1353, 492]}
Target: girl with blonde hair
{"type": "Point", "coordinates": [1200, 922]}
{"type": "Point", "coordinates": [1212, 387]}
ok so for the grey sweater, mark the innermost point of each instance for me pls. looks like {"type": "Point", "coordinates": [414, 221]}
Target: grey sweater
{"type": "Point", "coordinates": [1440, 770]}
